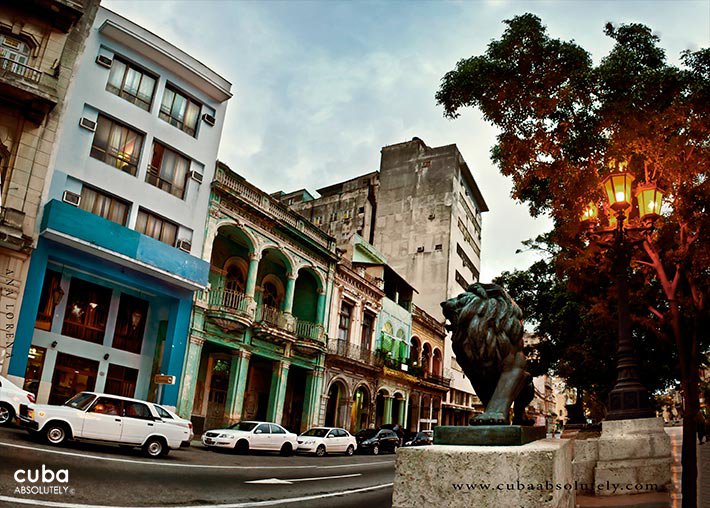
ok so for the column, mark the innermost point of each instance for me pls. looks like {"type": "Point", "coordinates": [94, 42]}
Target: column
{"type": "Point", "coordinates": [320, 307]}
{"type": "Point", "coordinates": [28, 313]}
{"type": "Point", "coordinates": [403, 411]}
{"type": "Point", "coordinates": [387, 416]}
{"type": "Point", "coordinates": [251, 274]}
{"type": "Point", "coordinates": [189, 377]}
{"type": "Point", "coordinates": [175, 345]}
{"type": "Point", "coordinates": [290, 290]}
{"type": "Point", "coordinates": [237, 386]}
{"type": "Point", "coordinates": [312, 400]}
{"type": "Point", "coordinates": [279, 379]}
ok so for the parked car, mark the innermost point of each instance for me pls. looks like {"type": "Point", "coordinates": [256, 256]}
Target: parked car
{"type": "Point", "coordinates": [11, 397]}
{"type": "Point", "coordinates": [397, 428]}
{"type": "Point", "coordinates": [322, 440]}
{"type": "Point", "coordinates": [423, 438]}
{"type": "Point", "coordinates": [375, 441]}
{"type": "Point", "coordinates": [90, 416]}
{"type": "Point", "coordinates": [169, 416]}
{"type": "Point", "coordinates": [245, 436]}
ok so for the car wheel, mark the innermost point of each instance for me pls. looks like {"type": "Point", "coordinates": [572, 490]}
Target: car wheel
{"type": "Point", "coordinates": [320, 451]}
{"type": "Point", "coordinates": [242, 446]}
{"type": "Point", "coordinates": [376, 450]}
{"type": "Point", "coordinates": [287, 450]}
{"type": "Point", "coordinates": [7, 414]}
{"type": "Point", "coordinates": [155, 448]}
{"type": "Point", "coordinates": [350, 451]}
{"type": "Point", "coordinates": [55, 433]}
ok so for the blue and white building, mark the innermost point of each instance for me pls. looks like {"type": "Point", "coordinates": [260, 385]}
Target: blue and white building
{"type": "Point", "coordinates": [111, 282]}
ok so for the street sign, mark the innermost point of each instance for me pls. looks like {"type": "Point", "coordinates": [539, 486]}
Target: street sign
{"type": "Point", "coordinates": [161, 379]}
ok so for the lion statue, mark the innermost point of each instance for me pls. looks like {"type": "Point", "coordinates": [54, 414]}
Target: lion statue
{"type": "Point", "coordinates": [488, 342]}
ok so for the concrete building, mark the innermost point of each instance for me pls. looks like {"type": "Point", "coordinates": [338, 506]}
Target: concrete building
{"type": "Point", "coordinates": [40, 42]}
{"type": "Point", "coordinates": [423, 212]}
{"type": "Point", "coordinates": [111, 282]}
{"type": "Point", "coordinates": [257, 340]}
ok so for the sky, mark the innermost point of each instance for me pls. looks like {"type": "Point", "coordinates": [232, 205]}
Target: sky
{"type": "Point", "coordinates": [320, 86]}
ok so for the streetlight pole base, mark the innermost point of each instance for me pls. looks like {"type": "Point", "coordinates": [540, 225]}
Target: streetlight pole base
{"type": "Point", "coordinates": [629, 401]}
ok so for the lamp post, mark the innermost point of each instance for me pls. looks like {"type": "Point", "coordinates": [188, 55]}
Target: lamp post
{"type": "Point", "coordinates": [629, 398]}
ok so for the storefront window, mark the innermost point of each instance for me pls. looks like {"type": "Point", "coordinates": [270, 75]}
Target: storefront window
{"type": "Point", "coordinates": [72, 374]}
{"type": "Point", "coordinates": [35, 365]}
{"type": "Point", "coordinates": [121, 381]}
{"type": "Point", "coordinates": [48, 300]}
{"type": "Point", "coordinates": [130, 324]}
{"type": "Point", "coordinates": [87, 311]}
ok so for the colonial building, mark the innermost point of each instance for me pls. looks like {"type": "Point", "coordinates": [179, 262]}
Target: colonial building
{"type": "Point", "coordinates": [111, 282]}
{"type": "Point", "coordinates": [426, 360]}
{"type": "Point", "coordinates": [40, 42]}
{"type": "Point", "coordinates": [423, 212]}
{"type": "Point", "coordinates": [257, 340]}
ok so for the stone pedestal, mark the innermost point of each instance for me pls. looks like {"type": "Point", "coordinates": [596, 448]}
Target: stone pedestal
{"type": "Point", "coordinates": [636, 453]}
{"type": "Point", "coordinates": [534, 475]}
{"type": "Point", "coordinates": [586, 455]}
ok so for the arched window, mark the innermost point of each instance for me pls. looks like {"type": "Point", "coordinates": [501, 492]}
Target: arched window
{"type": "Point", "coordinates": [271, 295]}
{"type": "Point", "coordinates": [234, 280]}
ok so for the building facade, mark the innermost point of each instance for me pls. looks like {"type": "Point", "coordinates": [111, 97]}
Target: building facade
{"type": "Point", "coordinates": [257, 340]}
{"type": "Point", "coordinates": [423, 212]}
{"type": "Point", "coordinates": [111, 283]}
{"type": "Point", "coordinates": [40, 42]}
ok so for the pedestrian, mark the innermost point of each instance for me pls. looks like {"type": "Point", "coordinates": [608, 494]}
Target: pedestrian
{"type": "Point", "coordinates": [700, 425]}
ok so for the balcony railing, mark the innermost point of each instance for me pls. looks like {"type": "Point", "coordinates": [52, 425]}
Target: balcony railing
{"type": "Point", "coordinates": [439, 380]}
{"type": "Point", "coordinates": [17, 69]}
{"type": "Point", "coordinates": [354, 352]}
{"type": "Point", "coordinates": [228, 298]}
{"type": "Point", "coordinates": [271, 316]}
{"type": "Point", "coordinates": [308, 330]}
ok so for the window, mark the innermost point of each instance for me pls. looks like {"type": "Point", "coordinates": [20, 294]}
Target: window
{"type": "Point", "coordinates": [162, 412]}
{"type": "Point", "coordinates": [344, 323]}
{"type": "Point", "coordinates": [275, 429]}
{"type": "Point", "coordinates": [462, 282]}
{"type": "Point", "coordinates": [14, 57]}
{"type": "Point", "coordinates": [117, 145]}
{"type": "Point", "coordinates": [271, 297]}
{"type": "Point", "coordinates": [168, 170]}
{"type": "Point", "coordinates": [179, 110]}
{"type": "Point", "coordinates": [469, 239]}
{"type": "Point", "coordinates": [318, 220]}
{"type": "Point", "coordinates": [333, 216]}
{"type": "Point", "coordinates": [156, 227]}
{"type": "Point", "coordinates": [35, 366]}
{"type": "Point", "coordinates": [121, 380]}
{"type": "Point", "coordinates": [130, 324]}
{"type": "Point", "coordinates": [72, 374]}
{"type": "Point", "coordinates": [48, 300]}
{"type": "Point", "coordinates": [262, 429]}
{"type": "Point", "coordinates": [131, 83]}
{"type": "Point", "coordinates": [136, 410]}
{"type": "Point", "coordinates": [367, 325]}
{"type": "Point", "coordinates": [103, 205]}
{"type": "Point", "coordinates": [107, 406]}
{"type": "Point", "coordinates": [87, 311]}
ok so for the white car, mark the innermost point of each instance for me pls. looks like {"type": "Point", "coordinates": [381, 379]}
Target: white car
{"type": "Point", "coordinates": [169, 416]}
{"type": "Point", "coordinates": [244, 436]}
{"type": "Point", "coordinates": [10, 399]}
{"type": "Point", "coordinates": [107, 418]}
{"type": "Point", "coordinates": [322, 440]}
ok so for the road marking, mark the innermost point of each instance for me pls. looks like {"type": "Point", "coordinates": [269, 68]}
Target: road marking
{"type": "Point", "coordinates": [277, 481]}
{"type": "Point", "coordinates": [253, 504]}
{"type": "Point", "coordinates": [204, 466]}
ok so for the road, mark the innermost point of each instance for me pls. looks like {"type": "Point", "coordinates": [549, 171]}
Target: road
{"type": "Point", "coordinates": [100, 476]}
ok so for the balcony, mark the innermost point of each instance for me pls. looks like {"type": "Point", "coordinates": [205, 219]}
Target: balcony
{"type": "Point", "coordinates": [230, 310]}
{"type": "Point", "coordinates": [354, 353]}
{"type": "Point", "coordinates": [437, 380]}
{"type": "Point", "coordinates": [11, 235]}
{"type": "Point", "coordinates": [32, 89]}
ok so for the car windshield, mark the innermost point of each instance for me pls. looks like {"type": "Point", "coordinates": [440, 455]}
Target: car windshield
{"type": "Point", "coordinates": [315, 433]}
{"type": "Point", "coordinates": [162, 412]}
{"type": "Point", "coordinates": [80, 401]}
{"type": "Point", "coordinates": [246, 426]}
{"type": "Point", "coordinates": [367, 433]}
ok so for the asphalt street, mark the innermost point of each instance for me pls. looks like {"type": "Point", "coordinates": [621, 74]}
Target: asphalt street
{"type": "Point", "coordinates": [101, 476]}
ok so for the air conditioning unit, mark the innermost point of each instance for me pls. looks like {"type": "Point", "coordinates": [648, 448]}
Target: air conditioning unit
{"type": "Point", "coordinates": [104, 61]}
{"type": "Point", "coordinates": [87, 124]}
{"type": "Point", "coordinates": [208, 119]}
{"type": "Point", "coordinates": [184, 245]}
{"type": "Point", "coordinates": [194, 175]}
{"type": "Point", "coordinates": [71, 197]}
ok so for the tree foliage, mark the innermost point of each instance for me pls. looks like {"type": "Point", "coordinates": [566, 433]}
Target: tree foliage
{"type": "Point", "coordinates": [563, 119]}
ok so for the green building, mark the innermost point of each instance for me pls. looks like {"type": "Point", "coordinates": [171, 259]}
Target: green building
{"type": "Point", "coordinates": [257, 337]}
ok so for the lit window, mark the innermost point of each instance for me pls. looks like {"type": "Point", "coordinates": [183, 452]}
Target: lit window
{"type": "Point", "coordinates": [116, 144]}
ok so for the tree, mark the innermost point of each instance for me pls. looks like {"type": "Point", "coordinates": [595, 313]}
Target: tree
{"type": "Point", "coordinates": [563, 119]}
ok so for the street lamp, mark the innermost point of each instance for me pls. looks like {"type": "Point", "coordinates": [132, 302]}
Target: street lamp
{"type": "Point", "coordinates": [629, 398]}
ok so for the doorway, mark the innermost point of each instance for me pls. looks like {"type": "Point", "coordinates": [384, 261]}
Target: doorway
{"type": "Point", "coordinates": [72, 374]}
{"type": "Point", "coordinates": [256, 398]}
